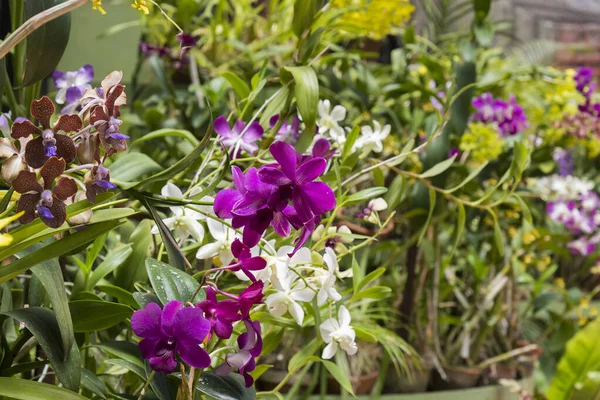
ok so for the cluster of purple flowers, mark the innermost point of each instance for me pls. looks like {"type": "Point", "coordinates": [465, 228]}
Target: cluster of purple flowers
{"type": "Point", "coordinates": [507, 115]}
{"type": "Point", "coordinates": [564, 159]}
{"type": "Point", "coordinates": [582, 218]}
{"type": "Point", "coordinates": [262, 197]}
{"type": "Point", "coordinates": [181, 331]}
{"type": "Point", "coordinates": [175, 57]}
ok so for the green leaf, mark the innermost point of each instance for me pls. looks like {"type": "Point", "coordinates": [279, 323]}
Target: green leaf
{"type": "Point", "coordinates": [439, 168]}
{"type": "Point", "coordinates": [307, 98]}
{"type": "Point", "coordinates": [460, 227]}
{"type": "Point", "coordinates": [340, 376]}
{"type": "Point", "coordinates": [128, 365]}
{"type": "Point", "coordinates": [275, 106]}
{"type": "Point", "coordinates": [304, 14]}
{"type": "Point", "coordinates": [469, 178]}
{"type": "Point", "coordinates": [231, 387]}
{"type": "Point", "coordinates": [364, 334]}
{"type": "Point", "coordinates": [581, 357]}
{"type": "Point", "coordinates": [481, 8]}
{"type": "Point", "coordinates": [364, 195]}
{"type": "Point", "coordinates": [133, 269]}
{"type": "Point", "coordinates": [368, 279]}
{"type": "Point", "coordinates": [22, 389]}
{"type": "Point", "coordinates": [172, 284]}
{"type": "Point", "coordinates": [373, 293]}
{"type": "Point", "coordinates": [357, 273]}
{"type": "Point", "coordinates": [113, 260]}
{"type": "Point", "coordinates": [162, 133]}
{"type": "Point", "coordinates": [497, 234]}
{"type": "Point", "coordinates": [239, 86]}
{"type": "Point", "coordinates": [394, 195]}
{"type": "Point", "coordinates": [92, 252]}
{"type": "Point", "coordinates": [432, 199]}
{"type": "Point", "coordinates": [91, 382]}
{"type": "Point", "coordinates": [55, 249]}
{"type": "Point", "coordinates": [45, 45]}
{"type": "Point", "coordinates": [2, 83]}
{"type": "Point", "coordinates": [131, 166]}
{"type": "Point", "coordinates": [124, 296]}
{"type": "Point", "coordinates": [50, 275]}
{"type": "Point", "coordinates": [300, 359]}
{"type": "Point", "coordinates": [484, 33]}
{"type": "Point", "coordinates": [93, 315]}
{"type": "Point", "coordinates": [123, 350]}
{"type": "Point", "coordinates": [350, 140]}
{"type": "Point", "coordinates": [42, 323]}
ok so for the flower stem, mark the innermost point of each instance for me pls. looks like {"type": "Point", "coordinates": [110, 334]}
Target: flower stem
{"type": "Point", "coordinates": [146, 385]}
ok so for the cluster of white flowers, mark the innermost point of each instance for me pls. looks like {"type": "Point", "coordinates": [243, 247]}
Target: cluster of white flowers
{"type": "Point", "coordinates": [371, 138]}
{"type": "Point", "coordinates": [561, 187]}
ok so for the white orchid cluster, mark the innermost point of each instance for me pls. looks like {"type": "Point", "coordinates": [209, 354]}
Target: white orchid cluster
{"type": "Point", "coordinates": [329, 121]}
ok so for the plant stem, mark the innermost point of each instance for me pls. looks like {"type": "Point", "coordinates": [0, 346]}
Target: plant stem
{"type": "Point", "coordinates": [146, 385]}
{"type": "Point", "coordinates": [37, 21]}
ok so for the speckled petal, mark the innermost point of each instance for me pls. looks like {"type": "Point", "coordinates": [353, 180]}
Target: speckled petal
{"type": "Point", "coordinates": [68, 123]}
{"type": "Point", "coordinates": [35, 153]}
{"type": "Point", "coordinates": [24, 129]}
{"type": "Point", "coordinates": [65, 188]}
{"type": "Point", "coordinates": [65, 148]}
{"type": "Point", "coordinates": [51, 170]}
{"type": "Point", "coordinates": [26, 182]}
{"type": "Point", "coordinates": [27, 203]}
{"type": "Point", "coordinates": [42, 110]}
{"type": "Point", "coordinates": [59, 211]}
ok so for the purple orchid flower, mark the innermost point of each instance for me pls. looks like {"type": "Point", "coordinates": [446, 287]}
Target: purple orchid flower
{"type": "Point", "coordinates": [149, 50]}
{"type": "Point", "coordinates": [221, 315]}
{"type": "Point", "coordinates": [288, 132]}
{"type": "Point", "coordinates": [173, 331]}
{"type": "Point", "coordinates": [250, 344]}
{"type": "Point", "coordinates": [234, 140]}
{"type": "Point", "coordinates": [250, 297]}
{"type": "Point", "coordinates": [97, 181]}
{"type": "Point", "coordinates": [245, 262]}
{"type": "Point", "coordinates": [454, 151]}
{"type": "Point", "coordinates": [508, 116]}
{"type": "Point", "coordinates": [71, 86]}
{"type": "Point", "coordinates": [583, 78]}
{"type": "Point", "coordinates": [296, 182]}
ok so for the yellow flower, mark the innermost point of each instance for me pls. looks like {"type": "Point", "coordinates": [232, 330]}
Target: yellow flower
{"type": "Point", "coordinates": [482, 141]}
{"type": "Point", "coordinates": [5, 238]}
{"type": "Point", "coordinates": [512, 231]}
{"type": "Point", "coordinates": [530, 236]}
{"type": "Point", "coordinates": [560, 282]}
{"type": "Point", "coordinates": [140, 5]}
{"type": "Point", "coordinates": [97, 5]}
{"type": "Point", "coordinates": [528, 259]}
{"type": "Point", "coordinates": [543, 263]}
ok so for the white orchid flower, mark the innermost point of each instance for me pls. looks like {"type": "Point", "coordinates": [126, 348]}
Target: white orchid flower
{"type": "Point", "coordinates": [289, 293]}
{"type": "Point", "coordinates": [372, 138]}
{"type": "Point", "coordinates": [221, 247]}
{"type": "Point", "coordinates": [329, 121]}
{"type": "Point", "coordinates": [327, 279]}
{"type": "Point", "coordinates": [338, 332]}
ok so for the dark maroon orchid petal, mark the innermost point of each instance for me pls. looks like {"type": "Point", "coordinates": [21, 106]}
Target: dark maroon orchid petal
{"type": "Point", "coordinates": [65, 188]}
{"type": "Point", "coordinates": [310, 170]}
{"type": "Point", "coordinates": [27, 204]}
{"type": "Point", "coordinates": [111, 100]}
{"type": "Point", "coordinates": [42, 110]}
{"type": "Point", "coordinates": [68, 123]}
{"type": "Point", "coordinates": [24, 129]}
{"type": "Point", "coordinates": [35, 153]}
{"type": "Point", "coordinates": [25, 182]}
{"type": "Point", "coordinates": [58, 210]}
{"type": "Point", "coordinates": [286, 157]}
{"type": "Point", "coordinates": [99, 115]}
{"type": "Point", "coordinates": [65, 148]}
{"type": "Point", "coordinates": [273, 176]}
{"type": "Point", "coordinates": [51, 170]}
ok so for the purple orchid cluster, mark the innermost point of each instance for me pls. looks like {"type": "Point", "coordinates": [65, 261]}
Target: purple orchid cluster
{"type": "Point", "coordinates": [508, 116]}
{"type": "Point", "coordinates": [582, 218]}
{"type": "Point", "coordinates": [587, 120]}
{"type": "Point", "coordinates": [182, 331]}
{"type": "Point", "coordinates": [46, 147]}
{"type": "Point", "coordinates": [282, 195]}
{"type": "Point", "coordinates": [175, 57]}
{"type": "Point", "coordinates": [71, 87]}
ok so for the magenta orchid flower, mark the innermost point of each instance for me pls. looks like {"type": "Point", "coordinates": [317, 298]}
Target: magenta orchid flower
{"type": "Point", "coordinates": [250, 344]}
{"type": "Point", "coordinates": [220, 314]}
{"type": "Point", "coordinates": [169, 332]}
{"type": "Point", "coordinates": [289, 132]}
{"type": "Point", "coordinates": [250, 297]}
{"type": "Point", "coordinates": [245, 262]}
{"type": "Point", "coordinates": [234, 140]}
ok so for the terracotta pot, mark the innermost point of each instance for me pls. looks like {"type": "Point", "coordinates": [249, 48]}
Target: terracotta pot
{"type": "Point", "coordinates": [457, 378]}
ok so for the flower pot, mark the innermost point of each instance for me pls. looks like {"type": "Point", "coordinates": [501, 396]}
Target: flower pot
{"type": "Point", "coordinates": [457, 378]}
{"type": "Point", "coordinates": [417, 382]}
{"type": "Point", "coordinates": [501, 371]}
{"type": "Point", "coordinates": [362, 384]}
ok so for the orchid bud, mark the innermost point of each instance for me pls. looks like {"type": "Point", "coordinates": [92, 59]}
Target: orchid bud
{"type": "Point", "coordinates": [87, 151]}
{"type": "Point", "coordinates": [81, 218]}
{"type": "Point", "coordinates": [11, 168]}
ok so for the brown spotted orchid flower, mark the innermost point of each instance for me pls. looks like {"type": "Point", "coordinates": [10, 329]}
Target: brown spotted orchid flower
{"type": "Point", "coordinates": [103, 108]}
{"type": "Point", "coordinates": [47, 201]}
{"type": "Point", "coordinates": [14, 158]}
{"type": "Point", "coordinates": [97, 181]}
{"type": "Point", "coordinates": [48, 141]}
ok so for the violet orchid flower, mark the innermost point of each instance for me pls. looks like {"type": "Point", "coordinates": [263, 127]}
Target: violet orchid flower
{"type": "Point", "coordinates": [234, 140]}
{"type": "Point", "coordinates": [250, 297]}
{"type": "Point", "coordinates": [97, 181]}
{"type": "Point", "coordinates": [288, 132]}
{"type": "Point", "coordinates": [71, 86]}
{"type": "Point", "coordinates": [245, 262]}
{"type": "Point", "coordinates": [220, 314]}
{"type": "Point", "coordinates": [250, 344]}
{"type": "Point", "coordinates": [169, 332]}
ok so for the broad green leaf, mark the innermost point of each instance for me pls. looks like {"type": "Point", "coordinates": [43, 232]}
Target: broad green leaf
{"type": "Point", "coordinates": [162, 133]}
{"type": "Point", "coordinates": [304, 14]}
{"type": "Point", "coordinates": [307, 98]}
{"type": "Point", "coordinates": [50, 275]}
{"type": "Point", "coordinates": [439, 168]}
{"type": "Point", "coordinates": [300, 359]}
{"type": "Point", "coordinates": [9, 193]}
{"type": "Point", "coordinates": [365, 335]}
{"type": "Point", "coordinates": [133, 269]}
{"type": "Point", "coordinates": [239, 86]}
{"type": "Point", "coordinates": [469, 178]}
{"type": "Point", "coordinates": [113, 260]}
{"type": "Point", "coordinates": [172, 284]}
{"type": "Point", "coordinates": [143, 299]}
{"type": "Point", "coordinates": [374, 293]}
{"type": "Point", "coordinates": [136, 369]}
{"type": "Point", "coordinates": [45, 45]}
{"type": "Point", "coordinates": [581, 357]}
{"type": "Point", "coordinates": [484, 33]}
{"type": "Point", "coordinates": [22, 389]}
{"type": "Point", "coordinates": [432, 199]}
{"type": "Point", "coordinates": [55, 249]}
{"type": "Point", "coordinates": [364, 195]}
{"type": "Point", "coordinates": [481, 8]}
{"type": "Point", "coordinates": [339, 375]}
{"type": "Point", "coordinates": [93, 315]}
{"type": "Point", "coordinates": [276, 105]}
{"type": "Point", "coordinates": [131, 166]}
{"type": "Point", "coordinates": [123, 350]}
{"type": "Point", "coordinates": [42, 323]}
{"type": "Point", "coordinates": [124, 296]}
{"type": "Point", "coordinates": [91, 382]}
{"type": "Point", "coordinates": [350, 140]}
{"type": "Point", "coordinates": [92, 252]}
{"type": "Point", "coordinates": [231, 387]}
{"type": "Point", "coordinates": [394, 195]}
